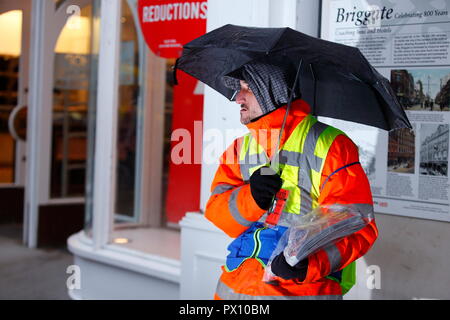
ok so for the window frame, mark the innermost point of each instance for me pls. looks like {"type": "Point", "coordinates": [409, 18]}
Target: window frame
{"type": "Point", "coordinates": [105, 157]}
{"type": "Point", "coordinates": [149, 135]}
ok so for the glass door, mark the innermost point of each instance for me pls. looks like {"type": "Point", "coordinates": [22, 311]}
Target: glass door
{"type": "Point", "coordinates": [12, 96]}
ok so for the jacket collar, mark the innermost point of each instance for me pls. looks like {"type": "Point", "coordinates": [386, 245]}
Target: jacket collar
{"type": "Point", "coordinates": [267, 128]}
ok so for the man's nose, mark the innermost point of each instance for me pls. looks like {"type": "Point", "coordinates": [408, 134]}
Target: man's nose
{"type": "Point", "coordinates": [240, 98]}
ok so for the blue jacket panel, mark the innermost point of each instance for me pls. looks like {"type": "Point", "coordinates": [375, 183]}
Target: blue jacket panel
{"type": "Point", "coordinates": [256, 242]}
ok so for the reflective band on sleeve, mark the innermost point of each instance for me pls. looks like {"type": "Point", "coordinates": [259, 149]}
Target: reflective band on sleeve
{"type": "Point", "coordinates": [365, 209]}
{"type": "Point", "coordinates": [221, 188]}
{"type": "Point", "coordinates": [226, 293]}
{"type": "Point", "coordinates": [334, 257]}
{"type": "Point", "coordinates": [232, 206]}
{"type": "Point", "coordinates": [245, 168]}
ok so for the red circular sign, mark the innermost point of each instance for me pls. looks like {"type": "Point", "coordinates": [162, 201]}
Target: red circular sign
{"type": "Point", "coordinates": [169, 24]}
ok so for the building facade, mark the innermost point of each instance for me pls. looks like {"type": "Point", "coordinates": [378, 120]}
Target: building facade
{"type": "Point", "coordinates": [403, 85]}
{"type": "Point", "coordinates": [434, 151]}
{"type": "Point", "coordinates": [401, 148]}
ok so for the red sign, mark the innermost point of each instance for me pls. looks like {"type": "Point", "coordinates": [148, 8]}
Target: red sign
{"type": "Point", "coordinates": [183, 189]}
{"type": "Point", "coordinates": [169, 24]}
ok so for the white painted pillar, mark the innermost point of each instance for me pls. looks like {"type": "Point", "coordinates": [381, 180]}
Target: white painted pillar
{"type": "Point", "coordinates": [39, 119]}
{"type": "Point", "coordinates": [21, 146]}
{"type": "Point", "coordinates": [106, 122]}
{"type": "Point", "coordinates": [308, 17]}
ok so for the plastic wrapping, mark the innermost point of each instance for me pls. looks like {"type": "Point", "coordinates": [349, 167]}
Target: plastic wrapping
{"type": "Point", "coordinates": [317, 229]}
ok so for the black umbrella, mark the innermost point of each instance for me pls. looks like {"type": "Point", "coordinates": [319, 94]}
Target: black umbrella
{"type": "Point", "coordinates": [336, 80]}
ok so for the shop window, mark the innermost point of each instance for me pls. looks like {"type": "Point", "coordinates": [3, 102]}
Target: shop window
{"type": "Point", "coordinates": [73, 95]}
{"type": "Point", "coordinates": [129, 106]}
{"type": "Point", "coordinates": [9, 76]}
{"type": "Point", "coordinates": [152, 194]}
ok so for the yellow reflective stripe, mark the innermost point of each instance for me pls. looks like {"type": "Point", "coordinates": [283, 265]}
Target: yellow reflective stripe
{"type": "Point", "coordinates": [310, 163]}
{"type": "Point", "coordinates": [289, 175]}
{"type": "Point", "coordinates": [296, 166]}
{"type": "Point", "coordinates": [244, 147]}
{"type": "Point", "coordinates": [325, 141]}
{"type": "Point", "coordinates": [296, 140]}
{"type": "Point", "coordinates": [251, 157]}
{"type": "Point", "coordinates": [321, 150]}
{"type": "Point", "coordinates": [254, 148]}
{"type": "Point", "coordinates": [301, 159]}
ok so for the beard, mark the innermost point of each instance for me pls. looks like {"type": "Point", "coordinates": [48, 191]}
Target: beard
{"type": "Point", "coordinates": [246, 116]}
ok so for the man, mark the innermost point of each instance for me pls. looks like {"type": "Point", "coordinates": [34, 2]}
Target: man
{"type": "Point", "coordinates": [319, 165]}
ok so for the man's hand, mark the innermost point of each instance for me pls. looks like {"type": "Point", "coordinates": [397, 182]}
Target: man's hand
{"type": "Point", "coordinates": [282, 269]}
{"type": "Point", "coordinates": [264, 187]}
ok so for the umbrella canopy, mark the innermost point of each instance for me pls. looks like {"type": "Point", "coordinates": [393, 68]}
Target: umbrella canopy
{"type": "Point", "coordinates": [336, 80]}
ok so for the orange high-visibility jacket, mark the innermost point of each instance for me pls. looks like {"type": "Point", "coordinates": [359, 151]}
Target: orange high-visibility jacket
{"type": "Point", "coordinates": [347, 185]}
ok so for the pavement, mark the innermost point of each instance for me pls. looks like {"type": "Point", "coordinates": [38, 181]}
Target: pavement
{"type": "Point", "coordinates": [37, 274]}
